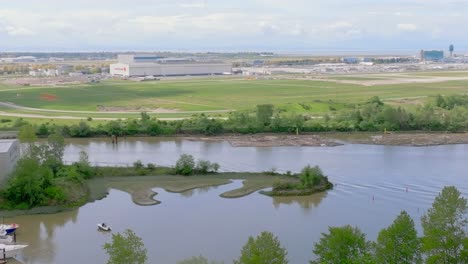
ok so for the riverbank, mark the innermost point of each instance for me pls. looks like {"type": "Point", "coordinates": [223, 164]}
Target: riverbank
{"type": "Point", "coordinates": [339, 138]}
{"type": "Point", "coordinates": [325, 139]}
{"type": "Point", "coordinates": [415, 139]}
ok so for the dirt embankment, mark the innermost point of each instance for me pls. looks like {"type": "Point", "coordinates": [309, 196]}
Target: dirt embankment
{"type": "Point", "coordinates": [337, 139]}
{"type": "Point", "coordinates": [272, 140]}
{"type": "Point", "coordinates": [403, 139]}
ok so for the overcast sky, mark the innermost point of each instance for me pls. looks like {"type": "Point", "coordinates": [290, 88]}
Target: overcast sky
{"type": "Point", "coordinates": [240, 25]}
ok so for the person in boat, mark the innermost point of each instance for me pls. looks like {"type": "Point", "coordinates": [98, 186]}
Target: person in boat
{"type": "Point", "coordinates": [103, 224]}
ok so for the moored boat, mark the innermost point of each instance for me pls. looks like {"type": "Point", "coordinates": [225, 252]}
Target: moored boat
{"type": "Point", "coordinates": [8, 228]}
{"type": "Point", "coordinates": [7, 239]}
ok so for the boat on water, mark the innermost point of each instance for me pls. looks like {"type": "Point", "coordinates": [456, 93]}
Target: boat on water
{"type": "Point", "coordinates": [8, 228]}
{"type": "Point", "coordinates": [6, 239]}
{"type": "Point", "coordinates": [104, 227]}
{"type": "Point", "coordinates": [10, 250]}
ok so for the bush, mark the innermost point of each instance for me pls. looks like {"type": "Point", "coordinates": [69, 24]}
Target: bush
{"type": "Point", "coordinates": [215, 167]}
{"type": "Point", "coordinates": [311, 176]}
{"type": "Point", "coordinates": [71, 173]}
{"type": "Point", "coordinates": [28, 182]}
{"type": "Point", "coordinates": [273, 171]}
{"type": "Point", "coordinates": [283, 186]}
{"type": "Point", "coordinates": [151, 166]}
{"type": "Point", "coordinates": [138, 165]}
{"type": "Point", "coordinates": [83, 167]}
{"type": "Point", "coordinates": [20, 122]}
{"type": "Point", "coordinates": [55, 193]}
{"type": "Point", "coordinates": [205, 166]}
{"type": "Point", "coordinates": [80, 130]}
{"type": "Point", "coordinates": [185, 165]}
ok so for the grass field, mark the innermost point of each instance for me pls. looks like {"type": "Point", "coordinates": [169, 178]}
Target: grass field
{"type": "Point", "coordinates": [440, 74]}
{"type": "Point", "coordinates": [216, 96]}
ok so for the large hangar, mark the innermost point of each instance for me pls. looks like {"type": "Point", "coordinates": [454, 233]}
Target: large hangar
{"type": "Point", "coordinates": [147, 64]}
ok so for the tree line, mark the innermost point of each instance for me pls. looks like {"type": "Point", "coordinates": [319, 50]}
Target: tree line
{"type": "Point", "coordinates": [445, 113]}
{"type": "Point", "coordinates": [444, 241]}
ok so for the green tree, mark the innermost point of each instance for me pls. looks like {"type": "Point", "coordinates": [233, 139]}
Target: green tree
{"type": "Point", "coordinates": [264, 114]}
{"type": "Point", "coordinates": [28, 182]}
{"type": "Point", "coordinates": [197, 260]}
{"type": "Point", "coordinates": [80, 130]}
{"type": "Point", "coordinates": [399, 243]}
{"type": "Point", "coordinates": [126, 248]}
{"type": "Point", "coordinates": [27, 135]}
{"type": "Point", "coordinates": [53, 152]}
{"type": "Point", "coordinates": [444, 225]}
{"type": "Point", "coordinates": [83, 166]}
{"type": "Point", "coordinates": [343, 245]}
{"type": "Point", "coordinates": [185, 165]}
{"type": "Point", "coordinates": [311, 176]}
{"type": "Point", "coordinates": [264, 249]}
{"type": "Point", "coordinates": [144, 117]}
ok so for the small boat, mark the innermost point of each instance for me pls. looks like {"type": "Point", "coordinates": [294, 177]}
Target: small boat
{"type": "Point", "coordinates": [6, 239]}
{"type": "Point", "coordinates": [8, 228]}
{"type": "Point", "coordinates": [104, 227]}
{"type": "Point", "coordinates": [10, 250]}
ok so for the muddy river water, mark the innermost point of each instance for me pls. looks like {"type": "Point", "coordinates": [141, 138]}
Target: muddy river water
{"type": "Point", "coordinates": [373, 184]}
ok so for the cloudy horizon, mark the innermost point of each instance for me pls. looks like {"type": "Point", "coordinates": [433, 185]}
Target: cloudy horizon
{"type": "Point", "coordinates": [399, 26]}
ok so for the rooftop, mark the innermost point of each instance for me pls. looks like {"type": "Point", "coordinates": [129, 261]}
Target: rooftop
{"type": "Point", "coordinates": [5, 144]}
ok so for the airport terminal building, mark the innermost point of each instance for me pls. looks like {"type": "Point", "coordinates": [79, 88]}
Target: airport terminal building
{"type": "Point", "coordinates": [134, 65]}
{"type": "Point", "coordinates": [9, 155]}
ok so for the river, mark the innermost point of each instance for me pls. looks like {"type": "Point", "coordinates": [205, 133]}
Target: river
{"type": "Point", "coordinates": [373, 184]}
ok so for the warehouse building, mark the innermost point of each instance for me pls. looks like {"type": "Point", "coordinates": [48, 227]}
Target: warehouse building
{"type": "Point", "coordinates": [9, 155]}
{"type": "Point", "coordinates": [147, 64]}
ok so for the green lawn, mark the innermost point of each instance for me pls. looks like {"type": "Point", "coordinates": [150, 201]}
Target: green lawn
{"type": "Point", "coordinates": [219, 94]}
{"type": "Point", "coordinates": [440, 74]}
{"type": "Point", "coordinates": [357, 78]}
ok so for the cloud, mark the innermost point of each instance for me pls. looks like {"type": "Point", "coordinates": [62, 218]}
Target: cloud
{"type": "Point", "coordinates": [183, 24]}
{"type": "Point", "coordinates": [341, 25]}
{"type": "Point", "coordinates": [407, 27]}
{"type": "Point", "coordinates": [193, 5]}
{"type": "Point", "coordinates": [18, 31]}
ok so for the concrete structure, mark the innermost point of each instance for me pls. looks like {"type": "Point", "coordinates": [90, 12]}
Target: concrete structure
{"type": "Point", "coordinates": [148, 64]}
{"type": "Point", "coordinates": [9, 155]}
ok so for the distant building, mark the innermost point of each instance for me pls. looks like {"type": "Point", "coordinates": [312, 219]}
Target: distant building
{"type": "Point", "coordinates": [38, 73]}
{"type": "Point", "coordinates": [432, 55]}
{"type": "Point", "coordinates": [60, 70]}
{"type": "Point", "coordinates": [19, 59]}
{"type": "Point", "coordinates": [75, 74]}
{"type": "Point", "coordinates": [350, 60]}
{"type": "Point", "coordinates": [9, 155]}
{"type": "Point", "coordinates": [63, 69]}
{"type": "Point", "coordinates": [134, 65]}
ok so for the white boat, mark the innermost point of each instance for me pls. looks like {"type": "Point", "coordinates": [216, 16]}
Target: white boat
{"type": "Point", "coordinates": [6, 239]}
{"type": "Point", "coordinates": [8, 228]}
{"type": "Point", "coordinates": [10, 250]}
{"type": "Point", "coordinates": [104, 227]}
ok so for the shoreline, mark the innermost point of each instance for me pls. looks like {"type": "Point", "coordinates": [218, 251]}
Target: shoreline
{"type": "Point", "coordinates": [320, 139]}
{"type": "Point", "coordinates": [333, 139]}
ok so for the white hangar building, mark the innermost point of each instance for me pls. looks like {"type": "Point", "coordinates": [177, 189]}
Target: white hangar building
{"type": "Point", "coordinates": [130, 65]}
{"type": "Point", "coordinates": [9, 155]}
